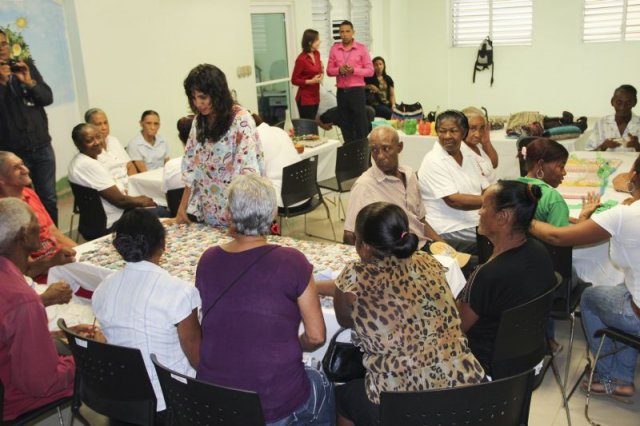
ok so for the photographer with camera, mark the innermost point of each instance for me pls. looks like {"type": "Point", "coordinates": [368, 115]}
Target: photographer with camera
{"type": "Point", "coordinates": [24, 127]}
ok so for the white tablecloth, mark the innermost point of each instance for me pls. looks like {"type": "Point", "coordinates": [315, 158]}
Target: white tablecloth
{"type": "Point", "coordinates": [416, 147]}
{"type": "Point", "coordinates": [98, 258]}
{"type": "Point", "coordinates": [150, 183]}
{"type": "Point", "coordinates": [592, 262]}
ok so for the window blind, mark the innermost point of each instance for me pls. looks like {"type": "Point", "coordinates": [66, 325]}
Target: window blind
{"type": "Point", "coordinates": [611, 20]}
{"type": "Point", "coordinates": [508, 22]}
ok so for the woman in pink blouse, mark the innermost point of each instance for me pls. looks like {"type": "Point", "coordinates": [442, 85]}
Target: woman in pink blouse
{"type": "Point", "coordinates": [307, 75]}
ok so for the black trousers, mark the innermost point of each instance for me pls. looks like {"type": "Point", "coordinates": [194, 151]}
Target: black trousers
{"type": "Point", "coordinates": [307, 111]}
{"type": "Point", "coordinates": [352, 109]}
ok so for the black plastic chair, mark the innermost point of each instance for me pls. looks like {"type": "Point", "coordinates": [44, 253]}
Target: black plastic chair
{"type": "Point", "coordinates": [626, 339]}
{"type": "Point", "coordinates": [174, 196]}
{"type": "Point", "coordinates": [503, 402]}
{"type": "Point", "coordinates": [279, 124]}
{"type": "Point", "coordinates": [521, 344]}
{"type": "Point", "coordinates": [523, 142]}
{"type": "Point", "coordinates": [75, 211]}
{"type": "Point", "coordinates": [300, 184]}
{"type": "Point", "coordinates": [93, 220]}
{"type": "Point", "coordinates": [304, 126]}
{"type": "Point", "coordinates": [30, 417]}
{"type": "Point", "coordinates": [113, 380]}
{"type": "Point", "coordinates": [194, 402]}
{"type": "Point", "coordinates": [352, 160]}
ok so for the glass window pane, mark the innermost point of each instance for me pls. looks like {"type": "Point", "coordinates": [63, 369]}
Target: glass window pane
{"type": "Point", "coordinates": [269, 46]}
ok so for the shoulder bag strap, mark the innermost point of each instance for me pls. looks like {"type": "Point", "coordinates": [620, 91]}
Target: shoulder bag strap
{"type": "Point", "coordinates": [247, 269]}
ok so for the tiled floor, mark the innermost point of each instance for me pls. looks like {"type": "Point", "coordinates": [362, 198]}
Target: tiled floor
{"type": "Point", "coordinates": [546, 405]}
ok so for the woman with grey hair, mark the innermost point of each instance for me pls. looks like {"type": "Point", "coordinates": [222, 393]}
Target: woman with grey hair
{"type": "Point", "coordinates": [479, 141]}
{"type": "Point", "coordinates": [254, 295]}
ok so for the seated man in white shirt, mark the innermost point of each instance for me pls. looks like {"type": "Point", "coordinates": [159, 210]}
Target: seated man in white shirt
{"type": "Point", "coordinates": [113, 156]}
{"type": "Point", "coordinates": [451, 183]}
{"type": "Point", "coordinates": [618, 132]}
{"type": "Point", "coordinates": [279, 152]}
{"type": "Point", "coordinates": [388, 181]}
{"type": "Point", "coordinates": [172, 177]}
{"type": "Point", "coordinates": [87, 171]}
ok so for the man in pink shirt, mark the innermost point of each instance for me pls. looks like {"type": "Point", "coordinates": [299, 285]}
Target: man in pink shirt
{"type": "Point", "coordinates": [32, 373]}
{"type": "Point", "coordinates": [350, 63]}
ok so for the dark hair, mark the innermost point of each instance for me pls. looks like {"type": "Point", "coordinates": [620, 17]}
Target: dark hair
{"type": "Point", "coordinates": [628, 89]}
{"type": "Point", "coordinates": [308, 37]}
{"type": "Point", "coordinates": [211, 81]}
{"type": "Point", "coordinates": [380, 58]}
{"type": "Point", "coordinates": [385, 227]}
{"type": "Point", "coordinates": [149, 112]}
{"type": "Point", "coordinates": [184, 127]}
{"type": "Point", "coordinates": [77, 134]}
{"type": "Point", "coordinates": [519, 196]}
{"type": "Point", "coordinates": [636, 165]}
{"type": "Point", "coordinates": [345, 22]}
{"type": "Point", "coordinates": [545, 149]}
{"type": "Point", "coordinates": [139, 234]}
{"type": "Point", "coordinates": [458, 117]}
{"type": "Point", "coordinates": [90, 113]}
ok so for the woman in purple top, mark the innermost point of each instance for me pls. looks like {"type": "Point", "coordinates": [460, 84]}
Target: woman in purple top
{"type": "Point", "coordinates": [254, 296]}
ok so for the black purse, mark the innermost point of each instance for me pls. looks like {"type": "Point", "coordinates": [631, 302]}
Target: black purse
{"type": "Point", "coordinates": [343, 361]}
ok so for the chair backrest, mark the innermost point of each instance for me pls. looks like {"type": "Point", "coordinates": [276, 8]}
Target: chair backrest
{"type": "Point", "coordinates": [113, 379]}
{"type": "Point", "coordinates": [194, 402]}
{"type": "Point", "coordinates": [352, 160]}
{"type": "Point", "coordinates": [520, 342]}
{"type": "Point", "coordinates": [174, 196]}
{"type": "Point", "coordinates": [304, 126]}
{"type": "Point", "coordinates": [299, 181]}
{"type": "Point", "coordinates": [500, 402]}
{"type": "Point", "coordinates": [523, 142]}
{"type": "Point", "coordinates": [93, 220]}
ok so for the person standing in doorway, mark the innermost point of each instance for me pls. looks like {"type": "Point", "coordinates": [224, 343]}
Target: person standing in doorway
{"type": "Point", "coordinates": [350, 63]}
{"type": "Point", "coordinates": [24, 127]}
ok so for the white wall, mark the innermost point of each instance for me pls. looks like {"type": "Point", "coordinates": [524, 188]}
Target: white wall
{"type": "Point", "coordinates": [558, 72]}
{"type": "Point", "coordinates": [130, 56]}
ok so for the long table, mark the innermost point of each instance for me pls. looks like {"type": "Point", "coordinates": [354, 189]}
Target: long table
{"type": "Point", "coordinates": [184, 246]}
{"type": "Point", "coordinates": [149, 183]}
{"type": "Point", "coordinates": [417, 146]}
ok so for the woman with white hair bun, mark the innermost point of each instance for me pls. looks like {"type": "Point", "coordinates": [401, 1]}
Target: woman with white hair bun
{"type": "Point", "coordinates": [479, 141]}
{"type": "Point", "coordinates": [254, 295]}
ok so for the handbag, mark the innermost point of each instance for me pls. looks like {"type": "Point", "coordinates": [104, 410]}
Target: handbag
{"type": "Point", "coordinates": [404, 111]}
{"type": "Point", "coordinates": [343, 361]}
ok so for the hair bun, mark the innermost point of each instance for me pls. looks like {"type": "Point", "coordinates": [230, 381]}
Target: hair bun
{"type": "Point", "coordinates": [132, 249]}
{"type": "Point", "coordinates": [534, 192]}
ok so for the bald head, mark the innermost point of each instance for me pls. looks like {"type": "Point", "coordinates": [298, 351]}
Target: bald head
{"type": "Point", "coordinates": [385, 146]}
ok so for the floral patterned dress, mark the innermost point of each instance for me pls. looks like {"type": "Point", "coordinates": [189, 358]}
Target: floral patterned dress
{"type": "Point", "coordinates": [208, 168]}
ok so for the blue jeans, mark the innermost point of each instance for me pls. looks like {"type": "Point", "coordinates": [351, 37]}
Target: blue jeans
{"type": "Point", "coordinates": [319, 409]}
{"type": "Point", "coordinates": [611, 307]}
{"type": "Point", "coordinates": [42, 169]}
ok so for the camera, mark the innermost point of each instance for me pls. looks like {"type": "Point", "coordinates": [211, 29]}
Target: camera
{"type": "Point", "coordinates": [13, 65]}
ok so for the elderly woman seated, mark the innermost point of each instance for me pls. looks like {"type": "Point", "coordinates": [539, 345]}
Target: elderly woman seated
{"type": "Point", "coordinates": [519, 269]}
{"type": "Point", "coordinates": [605, 305]}
{"type": "Point", "coordinates": [479, 141]}
{"type": "Point", "coordinates": [144, 307]}
{"type": "Point", "coordinates": [394, 285]}
{"type": "Point", "coordinates": [451, 183]}
{"type": "Point", "coordinates": [87, 171]}
{"type": "Point", "coordinates": [254, 295]}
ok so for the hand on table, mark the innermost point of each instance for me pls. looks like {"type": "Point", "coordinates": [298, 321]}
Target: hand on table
{"type": "Point", "coordinates": [589, 205]}
{"type": "Point", "coordinates": [608, 143]}
{"type": "Point", "coordinates": [146, 201]}
{"type": "Point", "coordinates": [621, 182]}
{"type": "Point", "coordinates": [633, 143]}
{"type": "Point", "coordinates": [181, 217]}
{"type": "Point", "coordinates": [57, 294]}
{"type": "Point", "coordinates": [63, 256]}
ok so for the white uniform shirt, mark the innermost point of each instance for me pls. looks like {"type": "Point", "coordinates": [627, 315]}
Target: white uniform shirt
{"type": "Point", "coordinates": [115, 160]}
{"type": "Point", "coordinates": [172, 175]}
{"type": "Point", "coordinates": [85, 171]}
{"type": "Point", "coordinates": [139, 307]}
{"type": "Point", "coordinates": [606, 128]}
{"type": "Point", "coordinates": [622, 223]}
{"type": "Point", "coordinates": [485, 164]}
{"type": "Point", "coordinates": [152, 155]}
{"type": "Point", "coordinates": [440, 176]}
{"type": "Point", "coordinates": [279, 152]}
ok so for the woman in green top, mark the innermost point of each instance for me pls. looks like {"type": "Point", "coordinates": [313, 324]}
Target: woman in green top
{"type": "Point", "coordinates": [546, 159]}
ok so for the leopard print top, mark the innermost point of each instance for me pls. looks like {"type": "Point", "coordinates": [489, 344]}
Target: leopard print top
{"type": "Point", "coordinates": [408, 326]}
